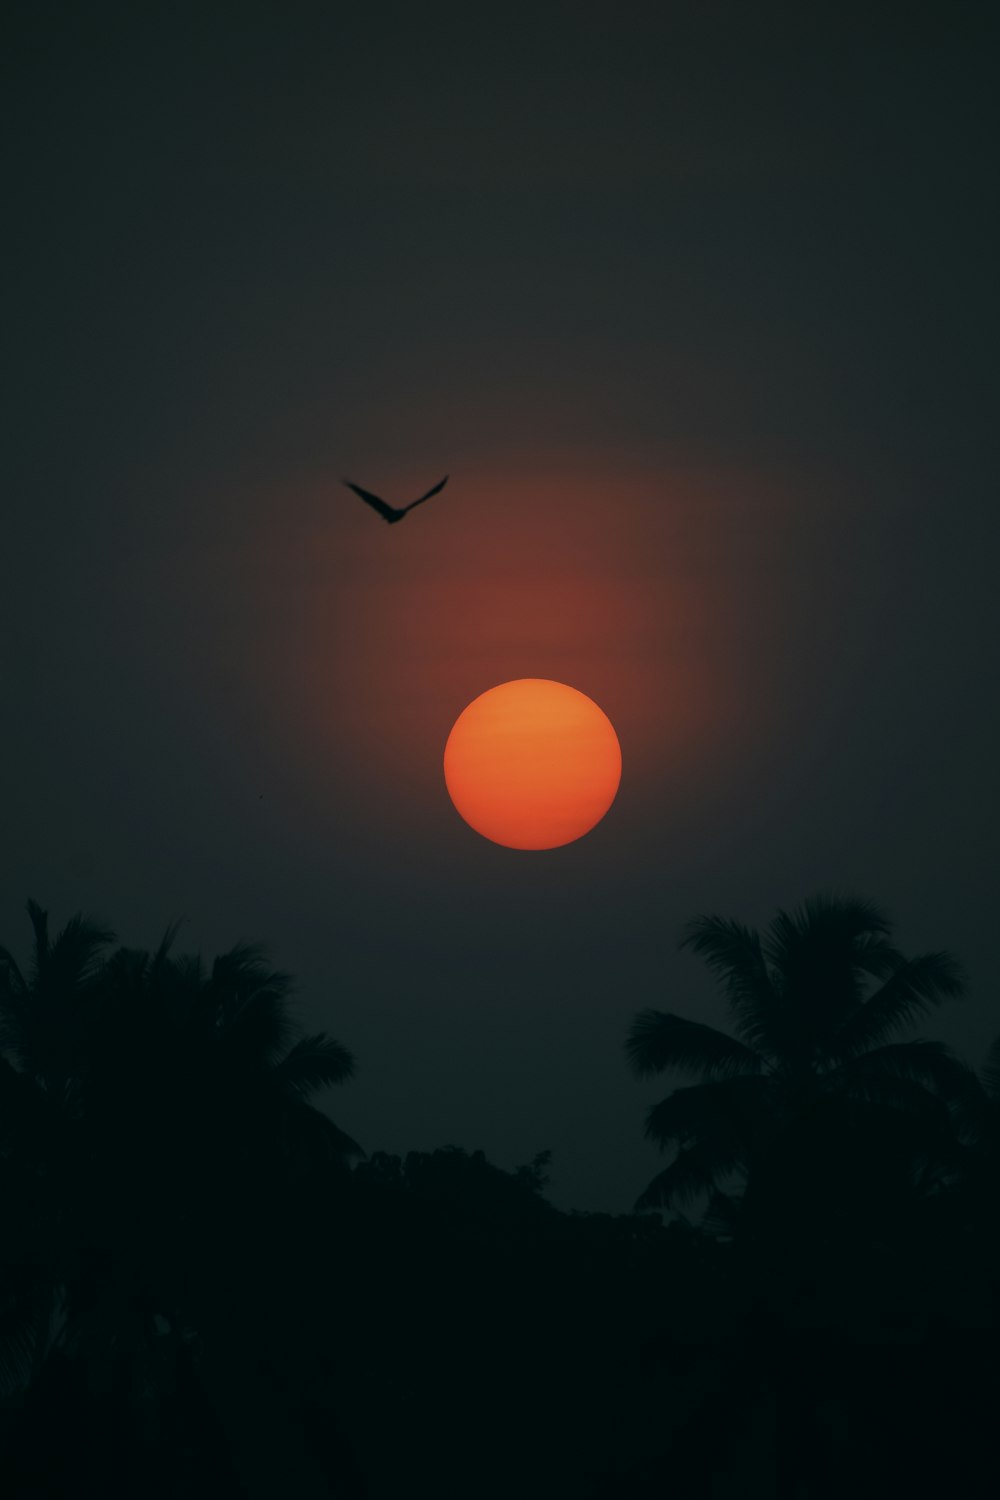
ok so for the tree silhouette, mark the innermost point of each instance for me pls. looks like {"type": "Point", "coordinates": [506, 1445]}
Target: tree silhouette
{"type": "Point", "coordinates": [810, 1079]}
{"type": "Point", "coordinates": [200, 1298]}
{"type": "Point", "coordinates": [838, 1136]}
{"type": "Point", "coordinates": [158, 1137]}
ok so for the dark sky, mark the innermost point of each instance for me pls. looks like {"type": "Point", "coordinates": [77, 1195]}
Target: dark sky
{"type": "Point", "coordinates": [697, 304]}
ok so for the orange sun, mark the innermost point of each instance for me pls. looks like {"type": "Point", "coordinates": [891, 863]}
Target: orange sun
{"type": "Point", "coordinates": [532, 764]}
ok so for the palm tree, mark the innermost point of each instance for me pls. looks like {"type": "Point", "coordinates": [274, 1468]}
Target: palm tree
{"type": "Point", "coordinates": [811, 1083]}
{"type": "Point", "coordinates": [41, 1038]}
{"type": "Point", "coordinates": [156, 1124]}
{"type": "Point", "coordinates": [835, 1129]}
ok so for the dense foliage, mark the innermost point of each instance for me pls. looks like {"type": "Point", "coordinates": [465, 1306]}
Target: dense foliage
{"type": "Point", "coordinates": [209, 1289]}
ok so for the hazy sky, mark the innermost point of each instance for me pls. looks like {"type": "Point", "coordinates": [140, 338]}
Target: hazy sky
{"type": "Point", "coordinates": [697, 305]}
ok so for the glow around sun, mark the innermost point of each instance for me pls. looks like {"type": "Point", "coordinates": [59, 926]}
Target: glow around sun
{"type": "Point", "coordinates": [532, 764]}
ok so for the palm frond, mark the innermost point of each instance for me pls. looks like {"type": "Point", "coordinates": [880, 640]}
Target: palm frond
{"type": "Point", "coordinates": [187, 971]}
{"type": "Point", "coordinates": [40, 926]}
{"type": "Point", "coordinates": [722, 1216]}
{"type": "Point", "coordinates": [242, 964]}
{"type": "Point", "coordinates": [22, 1107]}
{"type": "Point", "coordinates": [15, 999]}
{"type": "Point", "coordinates": [341, 1146]}
{"type": "Point", "coordinates": [961, 1092]}
{"type": "Point", "coordinates": [916, 986]}
{"type": "Point", "coordinates": [930, 1063]}
{"type": "Point", "coordinates": [126, 969]}
{"type": "Point", "coordinates": [314, 1062]}
{"type": "Point", "coordinates": [695, 1171]}
{"type": "Point", "coordinates": [251, 1001]}
{"type": "Point", "coordinates": [840, 931]}
{"type": "Point", "coordinates": [23, 1324]}
{"type": "Point", "coordinates": [848, 923]}
{"type": "Point", "coordinates": [659, 1040]}
{"type": "Point", "coordinates": [921, 1083]}
{"type": "Point", "coordinates": [258, 1028]}
{"type": "Point", "coordinates": [730, 1109]}
{"type": "Point", "coordinates": [166, 943]}
{"type": "Point", "coordinates": [42, 1022]}
{"type": "Point", "coordinates": [821, 955]}
{"type": "Point", "coordinates": [894, 1092]}
{"type": "Point", "coordinates": [77, 951]}
{"type": "Point", "coordinates": [734, 954]}
{"type": "Point", "coordinates": [990, 1071]}
{"type": "Point", "coordinates": [9, 971]}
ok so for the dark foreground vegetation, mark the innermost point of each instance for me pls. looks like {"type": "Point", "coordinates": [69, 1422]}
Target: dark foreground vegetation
{"type": "Point", "coordinates": [209, 1290]}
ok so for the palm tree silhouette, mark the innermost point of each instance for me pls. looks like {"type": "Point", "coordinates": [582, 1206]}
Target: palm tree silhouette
{"type": "Point", "coordinates": [811, 1079]}
{"type": "Point", "coordinates": [42, 1040]}
{"type": "Point", "coordinates": [158, 1133]}
{"type": "Point", "coordinates": [839, 1134]}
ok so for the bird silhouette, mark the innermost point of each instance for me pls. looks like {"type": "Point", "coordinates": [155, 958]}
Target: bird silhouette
{"type": "Point", "coordinates": [389, 512]}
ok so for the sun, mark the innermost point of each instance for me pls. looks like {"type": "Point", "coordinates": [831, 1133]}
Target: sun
{"type": "Point", "coordinates": [532, 764]}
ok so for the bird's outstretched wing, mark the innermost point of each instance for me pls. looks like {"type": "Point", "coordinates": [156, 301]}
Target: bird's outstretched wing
{"type": "Point", "coordinates": [388, 512]}
{"type": "Point", "coordinates": [439, 486]}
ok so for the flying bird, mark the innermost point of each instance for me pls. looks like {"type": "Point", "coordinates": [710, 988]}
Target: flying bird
{"type": "Point", "coordinates": [389, 512]}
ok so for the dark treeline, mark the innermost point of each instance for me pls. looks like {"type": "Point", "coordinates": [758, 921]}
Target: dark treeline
{"type": "Point", "coordinates": [208, 1289]}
